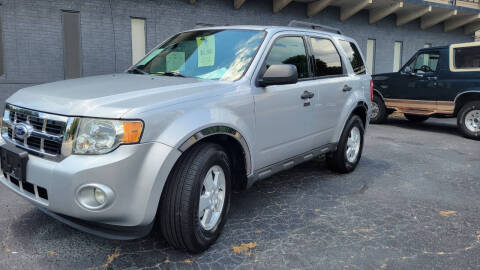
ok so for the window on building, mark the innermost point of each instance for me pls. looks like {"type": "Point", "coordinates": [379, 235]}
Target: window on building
{"type": "Point", "coordinates": [397, 55]}
{"type": "Point", "coordinates": [427, 45]}
{"type": "Point", "coordinates": [2, 72]}
{"type": "Point", "coordinates": [138, 39]}
{"type": "Point", "coordinates": [72, 48]}
{"type": "Point", "coordinates": [327, 61]}
{"type": "Point", "coordinates": [289, 50]}
{"type": "Point", "coordinates": [467, 57]}
{"type": "Point", "coordinates": [371, 47]}
{"type": "Point", "coordinates": [354, 56]}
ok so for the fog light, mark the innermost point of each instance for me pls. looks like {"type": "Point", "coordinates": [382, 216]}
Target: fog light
{"type": "Point", "coordinates": [99, 196]}
{"type": "Point", "coordinates": [94, 196]}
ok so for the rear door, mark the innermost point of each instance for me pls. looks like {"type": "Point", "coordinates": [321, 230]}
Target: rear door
{"type": "Point", "coordinates": [329, 76]}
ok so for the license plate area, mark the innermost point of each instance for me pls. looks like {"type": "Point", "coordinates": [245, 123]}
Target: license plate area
{"type": "Point", "coordinates": [14, 161]}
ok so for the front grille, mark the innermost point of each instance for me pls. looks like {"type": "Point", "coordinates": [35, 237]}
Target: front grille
{"type": "Point", "coordinates": [47, 132]}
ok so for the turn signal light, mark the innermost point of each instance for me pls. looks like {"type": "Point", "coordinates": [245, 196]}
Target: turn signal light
{"type": "Point", "coordinates": [132, 131]}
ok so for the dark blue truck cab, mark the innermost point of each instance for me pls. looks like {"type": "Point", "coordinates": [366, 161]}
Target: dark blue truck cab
{"type": "Point", "coordinates": [435, 82]}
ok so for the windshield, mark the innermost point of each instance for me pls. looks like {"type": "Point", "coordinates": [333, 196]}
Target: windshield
{"type": "Point", "coordinates": [208, 54]}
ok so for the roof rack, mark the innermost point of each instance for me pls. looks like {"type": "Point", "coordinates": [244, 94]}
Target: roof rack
{"type": "Point", "coordinates": [202, 25]}
{"type": "Point", "coordinates": [315, 26]}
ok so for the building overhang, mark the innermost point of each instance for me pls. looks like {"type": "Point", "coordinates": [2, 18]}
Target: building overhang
{"type": "Point", "coordinates": [453, 14]}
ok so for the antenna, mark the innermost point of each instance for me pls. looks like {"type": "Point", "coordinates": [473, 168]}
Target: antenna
{"type": "Point", "coordinates": [314, 26]}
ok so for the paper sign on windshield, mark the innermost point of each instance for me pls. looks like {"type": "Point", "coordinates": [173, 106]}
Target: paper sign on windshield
{"type": "Point", "coordinates": [206, 51]}
{"type": "Point", "coordinates": [175, 61]}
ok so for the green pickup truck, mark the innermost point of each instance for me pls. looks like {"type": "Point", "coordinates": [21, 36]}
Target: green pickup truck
{"type": "Point", "coordinates": [435, 82]}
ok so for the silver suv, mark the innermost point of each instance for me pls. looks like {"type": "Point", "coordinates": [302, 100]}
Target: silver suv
{"type": "Point", "coordinates": [162, 145]}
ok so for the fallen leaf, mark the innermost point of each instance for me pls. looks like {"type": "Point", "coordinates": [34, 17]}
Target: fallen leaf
{"type": "Point", "coordinates": [188, 261]}
{"type": "Point", "coordinates": [448, 213]}
{"type": "Point", "coordinates": [52, 253]}
{"type": "Point", "coordinates": [259, 231]}
{"type": "Point", "coordinates": [441, 253]}
{"type": "Point", "coordinates": [243, 247]}
{"type": "Point", "coordinates": [383, 266]}
{"type": "Point", "coordinates": [7, 250]}
{"type": "Point", "coordinates": [317, 210]}
{"type": "Point", "coordinates": [363, 249]}
{"type": "Point", "coordinates": [112, 257]}
{"type": "Point", "coordinates": [469, 166]}
{"type": "Point", "coordinates": [167, 261]}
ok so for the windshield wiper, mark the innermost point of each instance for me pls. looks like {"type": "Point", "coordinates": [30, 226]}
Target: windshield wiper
{"type": "Point", "coordinates": [137, 70]}
{"type": "Point", "coordinates": [172, 74]}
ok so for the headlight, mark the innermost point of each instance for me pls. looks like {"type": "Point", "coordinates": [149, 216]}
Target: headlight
{"type": "Point", "coordinates": [100, 136]}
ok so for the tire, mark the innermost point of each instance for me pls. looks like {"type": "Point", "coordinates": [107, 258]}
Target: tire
{"type": "Point", "coordinates": [415, 117]}
{"type": "Point", "coordinates": [338, 161]}
{"type": "Point", "coordinates": [468, 120]}
{"type": "Point", "coordinates": [179, 217]}
{"type": "Point", "coordinates": [379, 111]}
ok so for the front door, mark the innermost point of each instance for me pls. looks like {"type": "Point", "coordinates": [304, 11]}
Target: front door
{"type": "Point", "coordinates": [281, 115]}
{"type": "Point", "coordinates": [413, 89]}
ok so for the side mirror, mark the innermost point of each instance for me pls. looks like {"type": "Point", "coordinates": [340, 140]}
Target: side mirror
{"type": "Point", "coordinates": [408, 70]}
{"type": "Point", "coordinates": [279, 75]}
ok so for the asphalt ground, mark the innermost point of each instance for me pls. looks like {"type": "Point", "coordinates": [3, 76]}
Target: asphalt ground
{"type": "Point", "coordinates": [412, 203]}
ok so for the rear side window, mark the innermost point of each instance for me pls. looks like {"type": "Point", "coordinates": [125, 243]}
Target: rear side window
{"type": "Point", "coordinates": [327, 61]}
{"type": "Point", "coordinates": [289, 50]}
{"type": "Point", "coordinates": [354, 56]}
{"type": "Point", "coordinates": [467, 57]}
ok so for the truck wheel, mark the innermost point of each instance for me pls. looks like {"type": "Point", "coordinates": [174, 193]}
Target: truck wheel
{"type": "Point", "coordinates": [196, 198]}
{"type": "Point", "coordinates": [349, 148]}
{"type": "Point", "coordinates": [468, 120]}
{"type": "Point", "coordinates": [415, 117]}
{"type": "Point", "coordinates": [379, 111]}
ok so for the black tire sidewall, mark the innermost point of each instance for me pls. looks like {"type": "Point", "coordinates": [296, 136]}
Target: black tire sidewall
{"type": "Point", "coordinates": [475, 105]}
{"type": "Point", "coordinates": [216, 156]}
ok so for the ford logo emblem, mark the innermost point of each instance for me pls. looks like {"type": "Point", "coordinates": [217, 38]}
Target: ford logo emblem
{"type": "Point", "coordinates": [22, 131]}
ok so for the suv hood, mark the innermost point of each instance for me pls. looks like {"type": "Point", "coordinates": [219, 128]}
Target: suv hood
{"type": "Point", "coordinates": [111, 96]}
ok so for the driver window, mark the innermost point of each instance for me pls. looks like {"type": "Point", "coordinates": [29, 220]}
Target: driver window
{"type": "Point", "coordinates": [289, 50]}
{"type": "Point", "coordinates": [425, 63]}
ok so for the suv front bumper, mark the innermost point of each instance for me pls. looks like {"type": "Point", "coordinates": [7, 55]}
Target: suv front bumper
{"type": "Point", "coordinates": [135, 173]}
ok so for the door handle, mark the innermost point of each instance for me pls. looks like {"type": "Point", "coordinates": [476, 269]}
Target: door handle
{"type": "Point", "coordinates": [346, 88]}
{"type": "Point", "coordinates": [307, 95]}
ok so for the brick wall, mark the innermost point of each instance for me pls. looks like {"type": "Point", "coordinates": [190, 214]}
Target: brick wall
{"type": "Point", "coordinates": [33, 42]}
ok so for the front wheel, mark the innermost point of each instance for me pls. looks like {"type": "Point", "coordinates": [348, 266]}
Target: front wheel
{"type": "Point", "coordinates": [379, 111]}
{"type": "Point", "coordinates": [349, 148]}
{"type": "Point", "coordinates": [196, 198]}
{"type": "Point", "coordinates": [468, 120]}
{"type": "Point", "coordinates": [415, 117]}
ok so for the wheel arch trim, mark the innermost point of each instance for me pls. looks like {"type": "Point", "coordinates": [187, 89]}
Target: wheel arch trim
{"type": "Point", "coordinates": [378, 93]}
{"type": "Point", "coordinates": [220, 130]}
{"type": "Point", "coordinates": [463, 93]}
